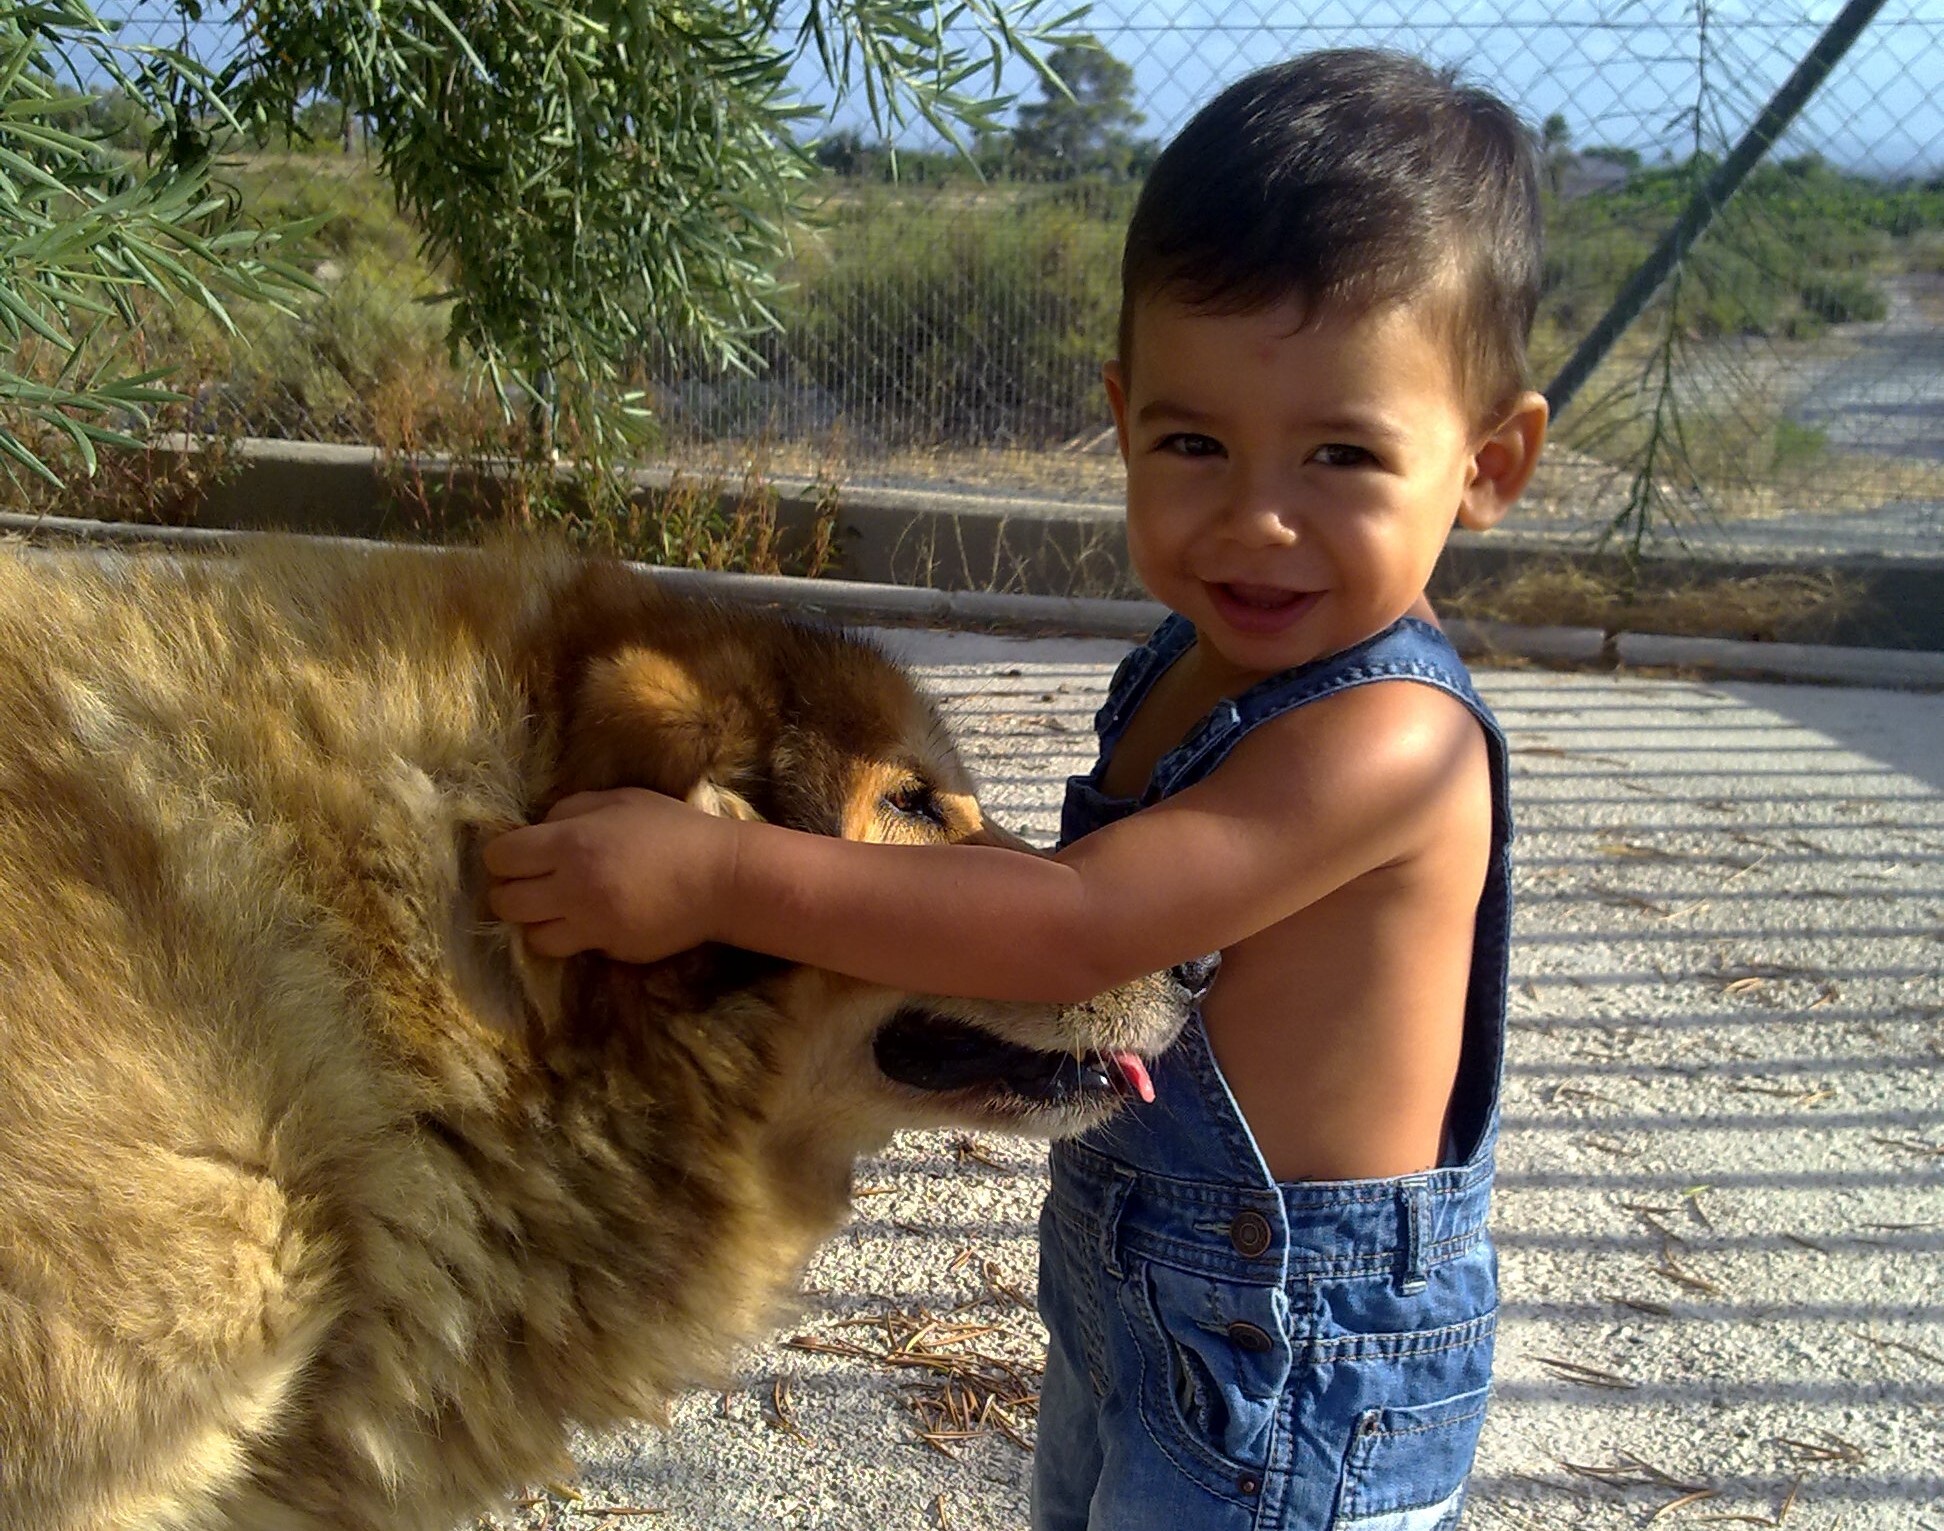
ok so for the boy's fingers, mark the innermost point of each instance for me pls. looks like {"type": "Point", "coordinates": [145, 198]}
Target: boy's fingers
{"type": "Point", "coordinates": [517, 853]}
{"type": "Point", "coordinates": [526, 901]}
{"type": "Point", "coordinates": [577, 803]}
{"type": "Point", "coordinates": [553, 938]}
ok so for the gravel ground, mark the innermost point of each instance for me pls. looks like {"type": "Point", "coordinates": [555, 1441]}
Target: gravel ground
{"type": "Point", "coordinates": [1721, 1198]}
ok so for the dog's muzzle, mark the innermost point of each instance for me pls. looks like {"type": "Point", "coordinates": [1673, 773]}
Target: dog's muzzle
{"type": "Point", "coordinates": [932, 1052]}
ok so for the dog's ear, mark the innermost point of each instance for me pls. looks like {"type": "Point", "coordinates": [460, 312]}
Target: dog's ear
{"type": "Point", "coordinates": [646, 719]}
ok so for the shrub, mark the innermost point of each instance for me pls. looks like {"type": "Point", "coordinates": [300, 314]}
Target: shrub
{"type": "Point", "coordinates": [931, 326]}
{"type": "Point", "coordinates": [1843, 299]}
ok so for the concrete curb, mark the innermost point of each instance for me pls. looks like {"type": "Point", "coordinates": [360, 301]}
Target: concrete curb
{"type": "Point", "coordinates": [1899, 669]}
{"type": "Point", "coordinates": [855, 601]}
{"type": "Point", "coordinates": [953, 540]}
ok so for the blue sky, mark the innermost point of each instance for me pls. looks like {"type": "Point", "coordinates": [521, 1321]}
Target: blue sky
{"type": "Point", "coordinates": [1621, 71]}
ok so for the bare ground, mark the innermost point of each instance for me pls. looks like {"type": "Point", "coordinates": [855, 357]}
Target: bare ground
{"type": "Point", "coordinates": [1721, 1206]}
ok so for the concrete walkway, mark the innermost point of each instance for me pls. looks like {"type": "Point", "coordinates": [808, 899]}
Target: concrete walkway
{"type": "Point", "coordinates": [1721, 1208]}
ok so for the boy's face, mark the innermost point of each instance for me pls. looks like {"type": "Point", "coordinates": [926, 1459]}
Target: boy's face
{"type": "Point", "coordinates": [1291, 480]}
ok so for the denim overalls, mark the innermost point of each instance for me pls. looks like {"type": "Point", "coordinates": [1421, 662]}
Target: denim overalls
{"type": "Point", "coordinates": [1230, 1352]}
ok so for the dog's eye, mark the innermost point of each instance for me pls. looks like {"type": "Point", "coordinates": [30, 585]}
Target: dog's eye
{"type": "Point", "coordinates": [914, 800]}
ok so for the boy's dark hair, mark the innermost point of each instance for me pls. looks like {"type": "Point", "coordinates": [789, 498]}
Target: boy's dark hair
{"type": "Point", "coordinates": [1350, 178]}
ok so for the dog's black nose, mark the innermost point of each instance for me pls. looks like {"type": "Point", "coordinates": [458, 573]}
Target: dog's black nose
{"type": "Point", "coordinates": [1196, 974]}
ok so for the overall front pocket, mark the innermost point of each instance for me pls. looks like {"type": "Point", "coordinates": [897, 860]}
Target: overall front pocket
{"type": "Point", "coordinates": [1214, 1359]}
{"type": "Point", "coordinates": [1406, 1467]}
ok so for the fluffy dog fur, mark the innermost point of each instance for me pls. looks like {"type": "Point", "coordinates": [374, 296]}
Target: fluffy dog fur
{"type": "Point", "coordinates": [322, 1205]}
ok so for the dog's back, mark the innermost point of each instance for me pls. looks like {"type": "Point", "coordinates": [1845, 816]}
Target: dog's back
{"type": "Point", "coordinates": [222, 923]}
{"type": "Point", "coordinates": [322, 1207]}
{"type": "Point", "coordinates": [295, 1230]}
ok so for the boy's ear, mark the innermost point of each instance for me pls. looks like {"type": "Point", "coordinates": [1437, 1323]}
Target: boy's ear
{"type": "Point", "coordinates": [1116, 381]}
{"type": "Point", "coordinates": [1502, 463]}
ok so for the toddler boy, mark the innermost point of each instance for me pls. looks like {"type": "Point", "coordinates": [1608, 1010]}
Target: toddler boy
{"type": "Point", "coordinates": [1269, 1291]}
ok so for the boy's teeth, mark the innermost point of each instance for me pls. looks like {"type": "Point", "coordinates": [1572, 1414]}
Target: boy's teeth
{"type": "Point", "coordinates": [1261, 595]}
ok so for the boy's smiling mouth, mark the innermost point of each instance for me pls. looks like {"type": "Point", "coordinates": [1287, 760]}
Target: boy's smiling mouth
{"type": "Point", "coordinates": [1250, 608]}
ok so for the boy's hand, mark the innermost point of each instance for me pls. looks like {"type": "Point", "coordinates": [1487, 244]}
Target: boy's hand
{"type": "Point", "coordinates": [629, 872]}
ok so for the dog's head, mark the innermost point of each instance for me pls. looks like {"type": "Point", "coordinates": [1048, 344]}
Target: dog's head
{"type": "Point", "coordinates": [747, 714]}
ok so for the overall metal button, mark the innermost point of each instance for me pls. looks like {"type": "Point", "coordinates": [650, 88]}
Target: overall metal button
{"type": "Point", "coordinates": [1250, 1234]}
{"type": "Point", "coordinates": [1247, 1336]}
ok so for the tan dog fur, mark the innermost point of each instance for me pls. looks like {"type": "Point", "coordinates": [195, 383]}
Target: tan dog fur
{"type": "Point", "coordinates": [320, 1204]}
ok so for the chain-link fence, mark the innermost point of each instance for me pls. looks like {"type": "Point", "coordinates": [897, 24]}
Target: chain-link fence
{"type": "Point", "coordinates": [945, 325]}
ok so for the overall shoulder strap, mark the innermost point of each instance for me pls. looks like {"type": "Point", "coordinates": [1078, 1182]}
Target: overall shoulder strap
{"type": "Point", "coordinates": [1406, 650]}
{"type": "Point", "coordinates": [1137, 673]}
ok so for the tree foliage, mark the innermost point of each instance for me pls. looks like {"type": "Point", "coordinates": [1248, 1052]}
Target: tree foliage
{"type": "Point", "coordinates": [84, 232]}
{"type": "Point", "coordinates": [597, 179]}
{"type": "Point", "coordinates": [1799, 247]}
{"type": "Point", "coordinates": [1084, 123]}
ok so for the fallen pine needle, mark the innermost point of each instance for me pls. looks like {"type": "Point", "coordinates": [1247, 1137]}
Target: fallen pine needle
{"type": "Point", "coordinates": [1694, 1497]}
{"type": "Point", "coordinates": [1591, 1376]}
{"type": "Point", "coordinates": [823, 1347]}
{"type": "Point", "coordinates": [969, 1392]}
{"type": "Point", "coordinates": [969, 1147]}
{"type": "Point", "coordinates": [1904, 1345]}
{"type": "Point", "coordinates": [1913, 1146]}
{"type": "Point", "coordinates": [782, 1416]}
{"type": "Point", "coordinates": [1639, 1305]}
{"type": "Point", "coordinates": [1633, 1472]}
{"type": "Point", "coordinates": [1831, 1448]}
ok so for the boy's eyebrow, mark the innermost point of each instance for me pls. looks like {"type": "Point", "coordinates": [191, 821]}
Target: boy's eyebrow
{"type": "Point", "coordinates": [1352, 424]}
{"type": "Point", "coordinates": [1382, 427]}
{"type": "Point", "coordinates": [1168, 409]}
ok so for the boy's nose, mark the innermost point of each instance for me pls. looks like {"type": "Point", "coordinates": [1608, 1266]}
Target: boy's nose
{"type": "Point", "coordinates": [1262, 517]}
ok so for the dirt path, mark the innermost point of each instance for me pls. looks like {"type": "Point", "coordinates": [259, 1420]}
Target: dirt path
{"type": "Point", "coordinates": [1887, 395]}
{"type": "Point", "coordinates": [1721, 1211]}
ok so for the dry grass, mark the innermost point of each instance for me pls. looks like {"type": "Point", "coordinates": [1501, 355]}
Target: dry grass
{"type": "Point", "coordinates": [1636, 1472]}
{"type": "Point", "coordinates": [698, 521]}
{"type": "Point", "coordinates": [156, 486]}
{"type": "Point", "coordinates": [966, 1390]}
{"type": "Point", "coordinates": [1086, 472]}
{"type": "Point", "coordinates": [1800, 607]}
{"type": "Point", "coordinates": [971, 1378]}
{"type": "Point", "coordinates": [702, 523]}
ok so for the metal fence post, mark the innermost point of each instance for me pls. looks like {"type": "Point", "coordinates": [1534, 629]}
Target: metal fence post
{"type": "Point", "coordinates": [1710, 199]}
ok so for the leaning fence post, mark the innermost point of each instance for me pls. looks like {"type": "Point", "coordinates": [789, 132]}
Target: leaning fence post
{"type": "Point", "coordinates": [1710, 199]}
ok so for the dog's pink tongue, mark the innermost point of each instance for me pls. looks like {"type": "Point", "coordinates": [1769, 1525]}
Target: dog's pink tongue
{"type": "Point", "coordinates": [1133, 1075]}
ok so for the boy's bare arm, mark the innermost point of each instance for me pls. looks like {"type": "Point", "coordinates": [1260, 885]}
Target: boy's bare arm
{"type": "Point", "coordinates": [1304, 805]}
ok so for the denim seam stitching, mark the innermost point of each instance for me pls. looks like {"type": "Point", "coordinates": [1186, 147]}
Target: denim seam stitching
{"type": "Point", "coordinates": [1169, 1189]}
{"type": "Point", "coordinates": [1203, 1257]}
{"type": "Point", "coordinates": [1443, 1424]}
{"type": "Point", "coordinates": [1394, 1346]}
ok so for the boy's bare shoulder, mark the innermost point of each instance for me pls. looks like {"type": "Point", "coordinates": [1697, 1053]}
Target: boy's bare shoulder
{"type": "Point", "coordinates": [1393, 755]}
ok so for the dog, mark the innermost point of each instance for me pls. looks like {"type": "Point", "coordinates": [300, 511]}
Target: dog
{"type": "Point", "coordinates": [322, 1202]}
